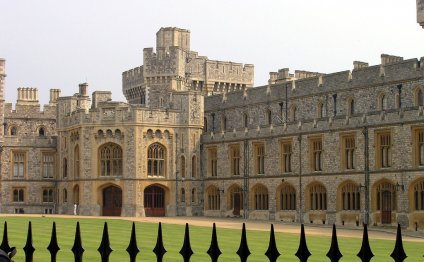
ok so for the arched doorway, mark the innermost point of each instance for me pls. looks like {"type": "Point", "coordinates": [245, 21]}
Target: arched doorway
{"type": "Point", "coordinates": [112, 201]}
{"type": "Point", "coordinates": [154, 201]}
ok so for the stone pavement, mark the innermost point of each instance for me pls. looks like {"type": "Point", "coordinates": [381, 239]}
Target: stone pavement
{"type": "Point", "coordinates": [236, 223]}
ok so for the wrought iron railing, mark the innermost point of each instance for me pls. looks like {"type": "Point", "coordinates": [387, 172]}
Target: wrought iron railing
{"type": "Point", "coordinates": [334, 254]}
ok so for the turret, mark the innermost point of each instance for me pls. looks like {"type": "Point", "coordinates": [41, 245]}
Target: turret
{"type": "Point", "coordinates": [27, 96]}
{"type": "Point", "coordinates": [54, 95]}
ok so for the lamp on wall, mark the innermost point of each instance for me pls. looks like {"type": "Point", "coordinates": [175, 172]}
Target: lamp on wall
{"type": "Point", "coordinates": [400, 187]}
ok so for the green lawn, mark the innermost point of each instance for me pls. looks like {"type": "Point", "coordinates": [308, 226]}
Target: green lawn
{"type": "Point", "coordinates": [228, 239]}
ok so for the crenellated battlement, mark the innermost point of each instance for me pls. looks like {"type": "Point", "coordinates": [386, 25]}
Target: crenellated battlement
{"type": "Point", "coordinates": [393, 70]}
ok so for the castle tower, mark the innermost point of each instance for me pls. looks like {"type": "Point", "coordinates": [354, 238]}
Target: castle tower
{"type": "Point", "coordinates": [2, 87]}
{"type": "Point", "coordinates": [172, 36]}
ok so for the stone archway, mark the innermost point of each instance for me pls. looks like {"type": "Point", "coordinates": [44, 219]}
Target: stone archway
{"type": "Point", "coordinates": [112, 201]}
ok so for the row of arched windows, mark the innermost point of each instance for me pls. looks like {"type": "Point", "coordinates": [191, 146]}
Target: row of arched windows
{"type": "Point", "coordinates": [193, 166]}
{"type": "Point", "coordinates": [13, 131]}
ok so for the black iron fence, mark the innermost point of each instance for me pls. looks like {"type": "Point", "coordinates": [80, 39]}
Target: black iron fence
{"type": "Point", "coordinates": [333, 254]}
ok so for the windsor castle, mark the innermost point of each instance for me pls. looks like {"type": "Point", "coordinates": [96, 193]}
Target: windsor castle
{"type": "Point", "coordinates": [195, 138]}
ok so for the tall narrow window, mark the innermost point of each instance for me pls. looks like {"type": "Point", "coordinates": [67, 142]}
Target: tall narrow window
{"type": "Point", "coordinates": [260, 159]}
{"type": "Point", "coordinates": [18, 195]}
{"type": "Point", "coordinates": [383, 102]}
{"type": "Point", "coordinates": [48, 196]}
{"type": "Point", "coordinates": [65, 168]}
{"type": "Point", "coordinates": [419, 195]}
{"type": "Point", "coordinates": [419, 100]}
{"type": "Point", "coordinates": [261, 198]}
{"type": "Point", "coordinates": [156, 160]}
{"type": "Point", "coordinates": [48, 165]}
{"type": "Point", "coordinates": [194, 166]}
{"type": "Point", "coordinates": [110, 160]}
{"type": "Point", "coordinates": [317, 197]}
{"type": "Point", "coordinates": [223, 123]}
{"type": "Point", "coordinates": [205, 124]}
{"type": "Point", "coordinates": [348, 152]}
{"type": "Point", "coordinates": [293, 112]}
{"type": "Point", "coordinates": [183, 196]}
{"type": "Point", "coordinates": [351, 199]}
{"type": "Point", "coordinates": [287, 197]}
{"type": "Point", "coordinates": [193, 196]}
{"type": "Point", "coordinates": [213, 162]}
{"type": "Point", "coordinates": [183, 166]}
{"type": "Point", "coordinates": [316, 156]}
{"type": "Point", "coordinates": [286, 156]}
{"type": "Point", "coordinates": [384, 156]}
{"type": "Point", "coordinates": [245, 120]}
{"type": "Point", "coordinates": [18, 164]}
{"type": "Point", "coordinates": [76, 162]}
{"type": "Point", "coordinates": [418, 144]}
{"type": "Point", "coordinates": [213, 198]}
{"type": "Point", "coordinates": [269, 116]}
{"type": "Point", "coordinates": [13, 131]}
{"type": "Point", "coordinates": [65, 196]}
{"type": "Point", "coordinates": [350, 107]}
{"type": "Point", "coordinates": [235, 160]}
{"type": "Point", "coordinates": [41, 131]}
{"type": "Point", "coordinates": [320, 110]}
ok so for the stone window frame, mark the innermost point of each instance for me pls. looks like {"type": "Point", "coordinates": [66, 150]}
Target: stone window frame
{"type": "Point", "coordinates": [13, 130]}
{"type": "Point", "coordinates": [268, 117]}
{"type": "Point", "coordinates": [193, 196]}
{"type": "Point", "coordinates": [349, 196]}
{"type": "Point", "coordinates": [194, 165]}
{"type": "Point", "coordinates": [205, 124]}
{"type": "Point", "coordinates": [260, 197]}
{"type": "Point", "coordinates": [320, 110]}
{"type": "Point", "coordinates": [418, 97]}
{"type": "Point", "coordinates": [383, 149]}
{"type": "Point", "coordinates": [64, 196]}
{"type": "Point", "coordinates": [111, 158]}
{"type": "Point", "coordinates": [316, 153]}
{"type": "Point", "coordinates": [234, 189]}
{"type": "Point", "coordinates": [48, 195]}
{"type": "Point", "coordinates": [183, 195]}
{"type": "Point", "coordinates": [48, 164]}
{"type": "Point", "coordinates": [42, 131]}
{"type": "Point", "coordinates": [77, 165]}
{"type": "Point", "coordinates": [21, 164]}
{"type": "Point", "coordinates": [382, 102]}
{"type": "Point", "coordinates": [234, 159]}
{"type": "Point", "coordinates": [417, 195]}
{"type": "Point", "coordinates": [224, 123]}
{"type": "Point", "coordinates": [286, 197]}
{"type": "Point", "coordinates": [182, 166]}
{"type": "Point", "coordinates": [156, 155]}
{"type": "Point", "coordinates": [380, 187]}
{"type": "Point", "coordinates": [293, 113]}
{"type": "Point", "coordinates": [213, 198]}
{"type": "Point", "coordinates": [18, 194]}
{"type": "Point", "coordinates": [348, 151]}
{"type": "Point", "coordinates": [316, 197]}
{"type": "Point", "coordinates": [418, 146]}
{"type": "Point", "coordinates": [286, 155]}
{"type": "Point", "coordinates": [245, 120]}
{"type": "Point", "coordinates": [212, 161]}
{"type": "Point", "coordinates": [65, 168]}
{"type": "Point", "coordinates": [259, 157]}
{"type": "Point", "coordinates": [350, 106]}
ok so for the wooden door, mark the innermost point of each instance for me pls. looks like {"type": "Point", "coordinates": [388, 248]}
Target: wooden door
{"type": "Point", "coordinates": [154, 201]}
{"type": "Point", "coordinates": [386, 207]}
{"type": "Point", "coordinates": [112, 201]}
{"type": "Point", "coordinates": [237, 204]}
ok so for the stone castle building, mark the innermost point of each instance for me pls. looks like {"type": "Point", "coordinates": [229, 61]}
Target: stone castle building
{"type": "Point", "coordinates": [195, 138]}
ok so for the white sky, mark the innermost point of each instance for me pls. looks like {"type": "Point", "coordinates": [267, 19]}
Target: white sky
{"type": "Point", "coordinates": [59, 44]}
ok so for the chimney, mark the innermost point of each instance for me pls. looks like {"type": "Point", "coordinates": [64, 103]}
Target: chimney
{"type": "Point", "coordinates": [54, 95]}
{"type": "Point", "coordinates": [83, 89]}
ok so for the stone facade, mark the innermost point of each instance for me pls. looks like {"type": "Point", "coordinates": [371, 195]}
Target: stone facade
{"type": "Point", "coordinates": [420, 12]}
{"type": "Point", "coordinates": [195, 139]}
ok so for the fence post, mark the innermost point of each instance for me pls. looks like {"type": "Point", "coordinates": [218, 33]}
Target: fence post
{"type": "Point", "coordinates": [272, 251]}
{"type": "Point", "coordinates": [132, 248]}
{"type": "Point", "coordinates": [53, 247]}
{"type": "Point", "coordinates": [77, 248]}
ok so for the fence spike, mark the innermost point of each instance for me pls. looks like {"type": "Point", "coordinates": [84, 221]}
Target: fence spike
{"type": "Point", "coordinates": [159, 249]}
{"type": "Point", "coordinates": [104, 248]}
{"type": "Point", "coordinates": [77, 248]}
{"type": "Point", "coordinates": [398, 253]}
{"type": "Point", "coordinates": [214, 251]}
{"type": "Point", "coordinates": [53, 247]}
{"type": "Point", "coordinates": [132, 248]}
{"type": "Point", "coordinates": [5, 242]}
{"type": "Point", "coordinates": [186, 250]}
{"type": "Point", "coordinates": [243, 252]}
{"type": "Point", "coordinates": [365, 254]}
{"type": "Point", "coordinates": [334, 253]}
{"type": "Point", "coordinates": [29, 248]}
{"type": "Point", "coordinates": [303, 252]}
{"type": "Point", "coordinates": [272, 251]}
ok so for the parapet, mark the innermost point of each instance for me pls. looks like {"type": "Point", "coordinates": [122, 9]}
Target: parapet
{"type": "Point", "coordinates": [300, 74]}
{"type": "Point", "coordinates": [101, 96]}
{"type": "Point", "coordinates": [389, 59]}
{"type": "Point", "coordinates": [358, 65]}
{"type": "Point", "coordinates": [27, 96]}
{"type": "Point", "coordinates": [173, 36]}
{"type": "Point", "coordinates": [54, 95]}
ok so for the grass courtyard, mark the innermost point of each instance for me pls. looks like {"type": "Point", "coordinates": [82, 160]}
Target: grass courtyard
{"type": "Point", "coordinates": [228, 239]}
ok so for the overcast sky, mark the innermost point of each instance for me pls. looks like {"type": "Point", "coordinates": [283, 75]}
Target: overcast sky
{"type": "Point", "coordinates": [59, 44]}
